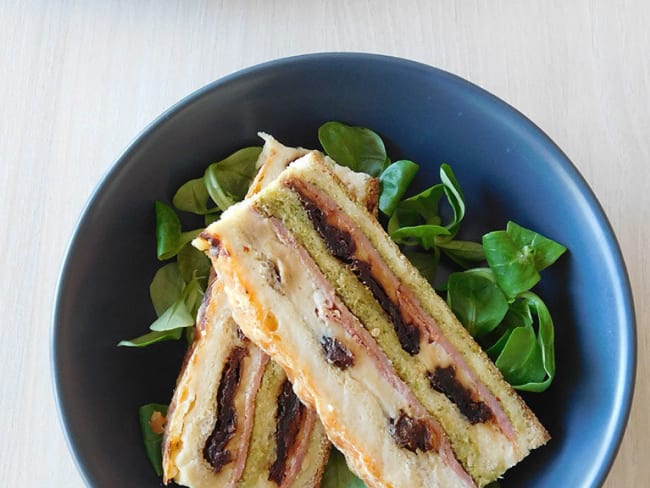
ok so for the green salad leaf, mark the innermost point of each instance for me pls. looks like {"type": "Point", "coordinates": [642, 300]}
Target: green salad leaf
{"type": "Point", "coordinates": [182, 312]}
{"type": "Point", "coordinates": [517, 255]}
{"type": "Point", "coordinates": [227, 181]}
{"type": "Point", "coordinates": [176, 303]}
{"type": "Point", "coordinates": [420, 209]}
{"type": "Point", "coordinates": [394, 181]}
{"type": "Point", "coordinates": [193, 197]}
{"type": "Point", "coordinates": [193, 263]}
{"type": "Point", "coordinates": [358, 148]}
{"type": "Point", "coordinates": [152, 440]}
{"type": "Point", "coordinates": [177, 316]}
{"type": "Point", "coordinates": [169, 237]}
{"type": "Point", "coordinates": [454, 196]}
{"type": "Point", "coordinates": [527, 358]}
{"type": "Point", "coordinates": [425, 262]}
{"type": "Point", "coordinates": [338, 475]}
{"type": "Point", "coordinates": [544, 250]}
{"type": "Point", "coordinates": [416, 221]}
{"type": "Point", "coordinates": [166, 287]}
{"type": "Point", "coordinates": [152, 338]}
{"type": "Point", "coordinates": [464, 253]}
{"type": "Point", "coordinates": [426, 236]}
{"type": "Point", "coordinates": [477, 300]}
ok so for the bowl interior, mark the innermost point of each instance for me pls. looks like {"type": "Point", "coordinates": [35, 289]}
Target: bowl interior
{"type": "Point", "coordinates": [508, 170]}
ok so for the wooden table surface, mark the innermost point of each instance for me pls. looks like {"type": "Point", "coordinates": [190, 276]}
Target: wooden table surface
{"type": "Point", "coordinates": [80, 79]}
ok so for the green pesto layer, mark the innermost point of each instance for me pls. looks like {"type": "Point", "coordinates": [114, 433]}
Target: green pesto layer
{"type": "Point", "coordinates": [262, 449]}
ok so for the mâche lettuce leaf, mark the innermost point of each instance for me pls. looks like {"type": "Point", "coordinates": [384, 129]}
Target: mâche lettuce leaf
{"type": "Point", "coordinates": [169, 236]}
{"type": "Point", "coordinates": [227, 181]}
{"type": "Point", "coordinates": [338, 475]}
{"type": "Point", "coordinates": [151, 433]}
{"type": "Point", "coordinates": [358, 148]}
{"type": "Point", "coordinates": [193, 197]}
{"type": "Point", "coordinates": [394, 182]}
{"type": "Point", "coordinates": [517, 255]}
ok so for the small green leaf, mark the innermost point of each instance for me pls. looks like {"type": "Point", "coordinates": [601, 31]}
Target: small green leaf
{"type": "Point", "coordinates": [464, 253]}
{"type": "Point", "coordinates": [422, 235]}
{"type": "Point", "coordinates": [418, 210]}
{"type": "Point", "coordinates": [358, 148]}
{"type": "Point", "coordinates": [152, 337]}
{"type": "Point", "coordinates": [454, 196]}
{"type": "Point", "coordinates": [526, 359]}
{"type": "Point", "coordinates": [338, 475]}
{"type": "Point", "coordinates": [513, 266]}
{"type": "Point", "coordinates": [168, 230]}
{"type": "Point", "coordinates": [477, 301]}
{"type": "Point", "coordinates": [517, 255]}
{"type": "Point", "coordinates": [193, 294]}
{"type": "Point", "coordinates": [425, 262]}
{"type": "Point", "coordinates": [519, 314]}
{"type": "Point", "coordinates": [152, 440]}
{"type": "Point", "coordinates": [517, 356]}
{"type": "Point", "coordinates": [166, 287]}
{"type": "Point", "coordinates": [416, 220]}
{"type": "Point", "coordinates": [211, 217]}
{"type": "Point", "coordinates": [169, 238]}
{"type": "Point", "coordinates": [546, 342]}
{"type": "Point", "coordinates": [544, 250]}
{"type": "Point", "coordinates": [193, 263]}
{"type": "Point", "coordinates": [193, 197]}
{"type": "Point", "coordinates": [175, 317]}
{"type": "Point", "coordinates": [495, 349]}
{"type": "Point", "coordinates": [227, 181]}
{"type": "Point", "coordinates": [394, 181]}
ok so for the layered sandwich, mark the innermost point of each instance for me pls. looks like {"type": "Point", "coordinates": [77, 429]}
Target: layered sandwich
{"type": "Point", "coordinates": [234, 419]}
{"type": "Point", "coordinates": [399, 385]}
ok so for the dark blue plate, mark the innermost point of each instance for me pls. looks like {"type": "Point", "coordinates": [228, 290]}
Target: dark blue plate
{"type": "Point", "coordinates": [508, 168]}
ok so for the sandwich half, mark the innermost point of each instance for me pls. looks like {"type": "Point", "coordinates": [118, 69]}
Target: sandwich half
{"type": "Point", "coordinates": [234, 419]}
{"type": "Point", "coordinates": [400, 386]}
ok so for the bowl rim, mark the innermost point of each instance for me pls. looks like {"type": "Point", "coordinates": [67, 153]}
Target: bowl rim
{"type": "Point", "coordinates": [627, 372]}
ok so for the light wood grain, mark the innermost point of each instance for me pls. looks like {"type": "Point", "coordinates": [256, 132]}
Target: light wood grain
{"type": "Point", "coordinates": [80, 78]}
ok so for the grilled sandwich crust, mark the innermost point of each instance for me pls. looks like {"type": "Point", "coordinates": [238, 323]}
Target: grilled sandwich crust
{"type": "Point", "coordinates": [193, 412]}
{"type": "Point", "coordinates": [276, 157]}
{"type": "Point", "coordinates": [485, 448]}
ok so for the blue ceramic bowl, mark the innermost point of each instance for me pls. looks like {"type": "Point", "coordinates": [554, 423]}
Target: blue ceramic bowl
{"type": "Point", "coordinates": [508, 168]}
